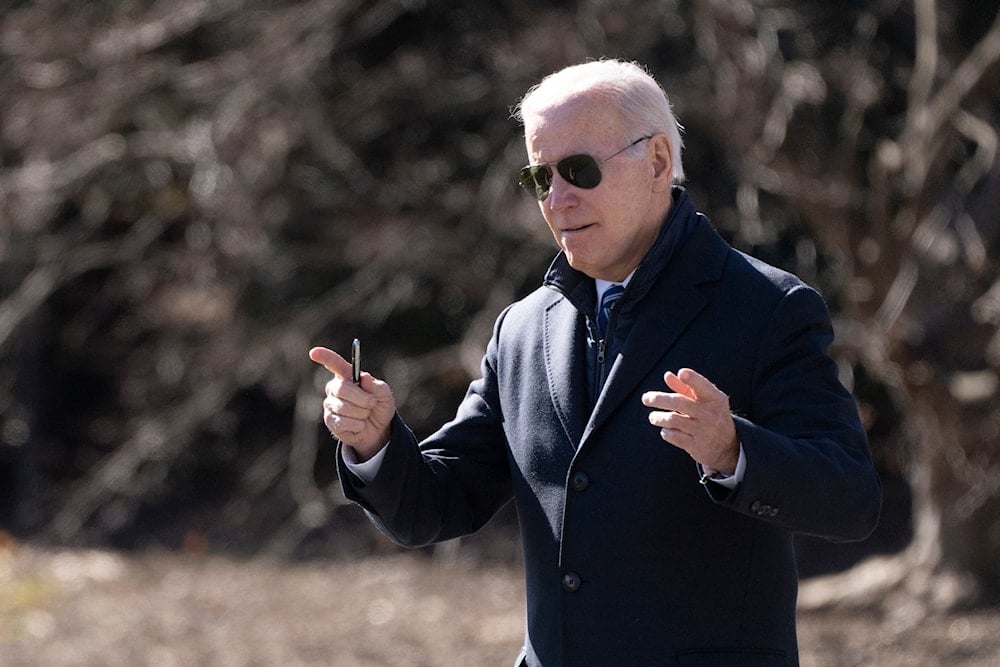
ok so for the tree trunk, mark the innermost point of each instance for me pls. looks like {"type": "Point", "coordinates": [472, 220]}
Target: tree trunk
{"type": "Point", "coordinates": [956, 502]}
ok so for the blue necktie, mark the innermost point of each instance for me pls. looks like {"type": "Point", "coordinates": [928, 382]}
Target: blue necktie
{"type": "Point", "coordinates": [611, 296]}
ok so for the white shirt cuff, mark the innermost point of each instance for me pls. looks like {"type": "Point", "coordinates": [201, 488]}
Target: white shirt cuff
{"type": "Point", "coordinates": [728, 481]}
{"type": "Point", "coordinates": [367, 470]}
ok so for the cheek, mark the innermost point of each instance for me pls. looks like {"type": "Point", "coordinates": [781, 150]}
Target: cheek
{"type": "Point", "coordinates": [631, 203]}
{"type": "Point", "coordinates": [547, 216]}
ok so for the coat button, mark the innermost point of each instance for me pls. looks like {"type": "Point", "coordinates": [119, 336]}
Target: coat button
{"type": "Point", "coordinates": [762, 509]}
{"type": "Point", "coordinates": [571, 582]}
{"type": "Point", "coordinates": [579, 481]}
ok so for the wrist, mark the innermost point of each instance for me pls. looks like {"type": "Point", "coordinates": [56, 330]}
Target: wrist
{"type": "Point", "coordinates": [728, 462]}
{"type": "Point", "coordinates": [353, 454]}
{"type": "Point", "coordinates": [729, 480]}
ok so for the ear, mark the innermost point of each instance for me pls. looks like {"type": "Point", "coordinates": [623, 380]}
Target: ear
{"type": "Point", "coordinates": [663, 163]}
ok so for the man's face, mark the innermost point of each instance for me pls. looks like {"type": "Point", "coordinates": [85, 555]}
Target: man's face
{"type": "Point", "coordinates": [604, 231]}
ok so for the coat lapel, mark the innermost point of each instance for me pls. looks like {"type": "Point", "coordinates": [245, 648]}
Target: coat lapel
{"type": "Point", "coordinates": [653, 334]}
{"type": "Point", "coordinates": [565, 366]}
{"type": "Point", "coordinates": [669, 308]}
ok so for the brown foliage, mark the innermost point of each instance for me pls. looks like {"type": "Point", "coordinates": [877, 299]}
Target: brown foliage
{"type": "Point", "coordinates": [193, 193]}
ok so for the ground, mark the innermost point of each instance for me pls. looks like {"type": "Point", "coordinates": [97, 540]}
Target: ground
{"type": "Point", "coordinates": [85, 607]}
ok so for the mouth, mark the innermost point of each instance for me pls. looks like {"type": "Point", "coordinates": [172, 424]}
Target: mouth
{"type": "Point", "coordinates": [571, 230]}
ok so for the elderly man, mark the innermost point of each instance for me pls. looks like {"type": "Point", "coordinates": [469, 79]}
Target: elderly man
{"type": "Point", "coordinates": [662, 410]}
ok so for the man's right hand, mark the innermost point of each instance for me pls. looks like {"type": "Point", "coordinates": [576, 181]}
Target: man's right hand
{"type": "Point", "coordinates": [358, 415]}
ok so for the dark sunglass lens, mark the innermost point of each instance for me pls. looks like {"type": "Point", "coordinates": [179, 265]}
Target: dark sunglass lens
{"type": "Point", "coordinates": [580, 170]}
{"type": "Point", "coordinates": [537, 179]}
{"type": "Point", "coordinates": [527, 180]}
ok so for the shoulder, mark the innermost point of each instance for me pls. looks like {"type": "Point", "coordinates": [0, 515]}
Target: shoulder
{"type": "Point", "coordinates": [708, 257]}
{"type": "Point", "coordinates": [776, 299]}
{"type": "Point", "coordinates": [754, 286]}
{"type": "Point", "coordinates": [764, 274]}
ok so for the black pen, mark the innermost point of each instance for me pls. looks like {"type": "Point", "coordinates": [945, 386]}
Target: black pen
{"type": "Point", "coordinates": [356, 361]}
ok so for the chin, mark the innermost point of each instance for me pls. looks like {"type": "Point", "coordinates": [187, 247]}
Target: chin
{"type": "Point", "coordinates": [582, 267]}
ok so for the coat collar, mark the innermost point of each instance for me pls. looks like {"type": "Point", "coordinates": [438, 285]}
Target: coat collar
{"type": "Point", "coordinates": [579, 288]}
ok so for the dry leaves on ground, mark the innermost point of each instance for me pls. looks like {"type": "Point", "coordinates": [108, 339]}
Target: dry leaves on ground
{"type": "Point", "coordinates": [63, 607]}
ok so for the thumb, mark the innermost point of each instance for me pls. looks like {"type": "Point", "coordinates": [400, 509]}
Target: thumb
{"type": "Point", "coordinates": [331, 361]}
{"type": "Point", "coordinates": [378, 388]}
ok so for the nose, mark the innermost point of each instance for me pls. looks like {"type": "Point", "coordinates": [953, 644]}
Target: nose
{"type": "Point", "coordinates": [562, 194]}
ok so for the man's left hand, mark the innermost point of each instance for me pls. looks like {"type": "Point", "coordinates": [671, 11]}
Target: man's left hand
{"type": "Point", "coordinates": [696, 418]}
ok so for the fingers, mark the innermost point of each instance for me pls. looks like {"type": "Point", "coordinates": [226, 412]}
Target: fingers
{"type": "Point", "coordinates": [347, 400]}
{"type": "Point", "coordinates": [331, 361]}
{"type": "Point", "coordinates": [675, 427]}
{"type": "Point", "coordinates": [671, 420]}
{"type": "Point", "coordinates": [341, 390]}
{"type": "Point", "coordinates": [348, 411]}
{"type": "Point", "coordinates": [677, 385]}
{"type": "Point", "coordinates": [344, 428]}
{"type": "Point", "coordinates": [360, 414]}
{"type": "Point", "coordinates": [692, 384]}
{"type": "Point", "coordinates": [695, 416]}
{"type": "Point", "coordinates": [692, 396]}
{"type": "Point", "coordinates": [689, 388]}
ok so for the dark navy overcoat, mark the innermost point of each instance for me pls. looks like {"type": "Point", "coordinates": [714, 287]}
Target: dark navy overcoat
{"type": "Point", "coordinates": [629, 558]}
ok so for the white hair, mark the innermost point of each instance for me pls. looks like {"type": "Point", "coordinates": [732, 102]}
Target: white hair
{"type": "Point", "coordinates": [642, 102]}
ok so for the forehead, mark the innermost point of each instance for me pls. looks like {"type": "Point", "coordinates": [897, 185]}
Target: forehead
{"type": "Point", "coordinates": [577, 124]}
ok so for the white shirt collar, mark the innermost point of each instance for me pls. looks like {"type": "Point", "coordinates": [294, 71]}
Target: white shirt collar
{"type": "Point", "coordinates": [603, 285]}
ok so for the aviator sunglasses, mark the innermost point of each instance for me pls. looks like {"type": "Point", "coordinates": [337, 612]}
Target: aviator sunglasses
{"type": "Point", "coordinates": [582, 170]}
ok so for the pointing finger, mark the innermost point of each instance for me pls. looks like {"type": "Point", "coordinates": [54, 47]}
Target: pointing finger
{"type": "Point", "coordinates": [331, 361]}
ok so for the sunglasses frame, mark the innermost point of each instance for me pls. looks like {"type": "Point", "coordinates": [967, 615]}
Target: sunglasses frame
{"type": "Point", "coordinates": [570, 168]}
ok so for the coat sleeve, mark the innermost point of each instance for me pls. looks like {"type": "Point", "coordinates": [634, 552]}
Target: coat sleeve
{"type": "Point", "coordinates": [447, 486]}
{"type": "Point", "coordinates": [808, 465]}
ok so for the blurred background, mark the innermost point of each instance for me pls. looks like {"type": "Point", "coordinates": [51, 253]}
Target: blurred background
{"type": "Point", "coordinates": [195, 192]}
